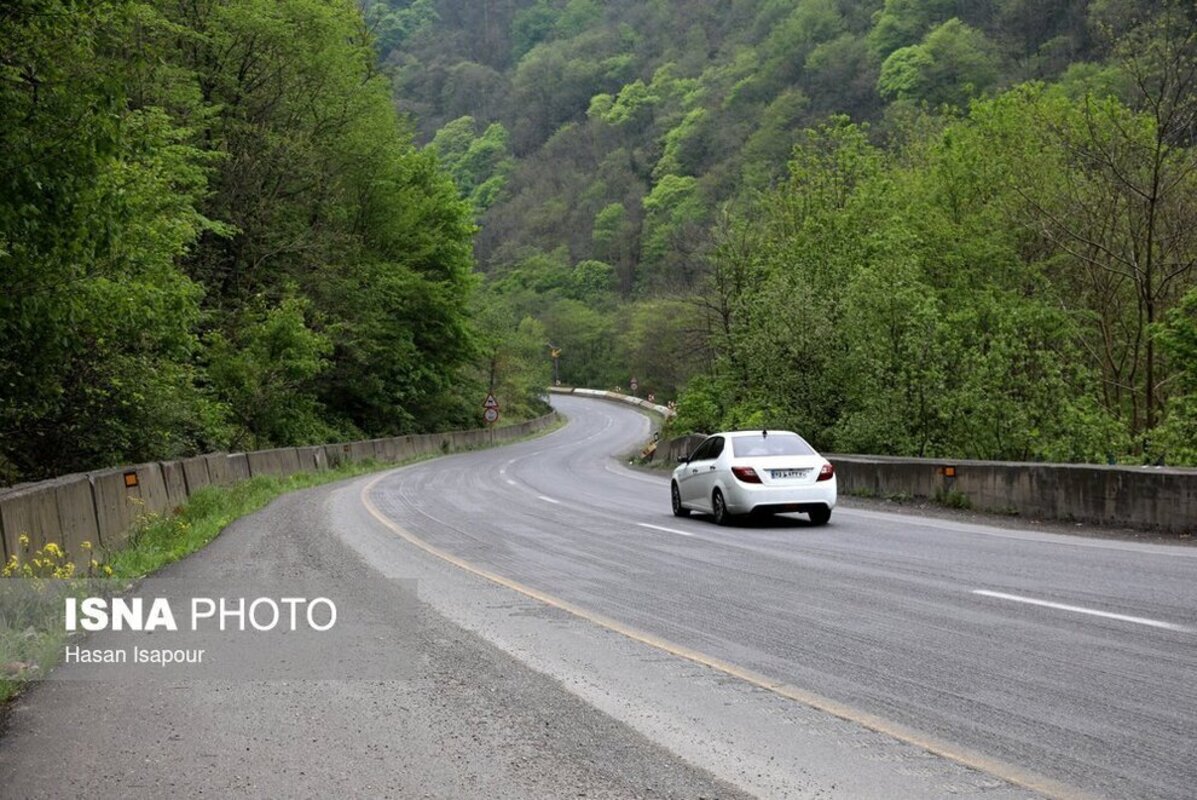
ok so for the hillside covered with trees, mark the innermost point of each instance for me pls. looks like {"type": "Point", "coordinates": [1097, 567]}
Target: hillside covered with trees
{"type": "Point", "coordinates": [216, 232]}
{"type": "Point", "coordinates": [899, 226]}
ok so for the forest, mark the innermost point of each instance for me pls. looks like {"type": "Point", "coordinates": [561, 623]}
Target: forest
{"type": "Point", "coordinates": [912, 227]}
{"type": "Point", "coordinates": [915, 227]}
{"type": "Point", "coordinates": [217, 232]}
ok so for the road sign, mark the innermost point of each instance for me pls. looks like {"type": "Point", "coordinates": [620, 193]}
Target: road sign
{"type": "Point", "coordinates": [634, 385]}
{"type": "Point", "coordinates": [491, 402]}
{"type": "Point", "coordinates": [491, 415]}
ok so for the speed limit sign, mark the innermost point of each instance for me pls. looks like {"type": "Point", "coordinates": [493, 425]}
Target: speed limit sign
{"type": "Point", "coordinates": [491, 415]}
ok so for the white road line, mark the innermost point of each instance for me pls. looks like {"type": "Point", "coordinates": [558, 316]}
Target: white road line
{"type": "Point", "coordinates": [667, 530]}
{"type": "Point", "coordinates": [550, 500]}
{"type": "Point", "coordinates": [510, 482]}
{"type": "Point", "coordinates": [1154, 623]}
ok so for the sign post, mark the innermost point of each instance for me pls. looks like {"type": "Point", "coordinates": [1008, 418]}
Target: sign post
{"type": "Point", "coordinates": [491, 413]}
{"type": "Point", "coordinates": [555, 354]}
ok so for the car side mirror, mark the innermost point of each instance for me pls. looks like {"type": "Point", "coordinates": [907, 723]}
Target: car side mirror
{"type": "Point", "coordinates": [683, 459]}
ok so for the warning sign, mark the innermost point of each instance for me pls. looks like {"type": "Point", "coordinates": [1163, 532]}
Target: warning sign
{"type": "Point", "coordinates": [491, 402]}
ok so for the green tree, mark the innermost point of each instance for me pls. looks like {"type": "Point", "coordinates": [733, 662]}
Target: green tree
{"type": "Point", "coordinates": [674, 213]}
{"type": "Point", "coordinates": [1178, 341]}
{"type": "Point", "coordinates": [266, 375]}
{"type": "Point", "coordinates": [953, 64]}
{"type": "Point", "coordinates": [662, 343]}
{"type": "Point", "coordinates": [328, 194]}
{"type": "Point", "coordinates": [515, 364]}
{"type": "Point", "coordinates": [904, 22]}
{"type": "Point", "coordinates": [99, 200]}
{"type": "Point", "coordinates": [480, 164]}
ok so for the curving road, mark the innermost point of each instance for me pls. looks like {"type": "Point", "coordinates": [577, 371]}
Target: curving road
{"type": "Point", "coordinates": [571, 638]}
{"type": "Point", "coordinates": [1044, 657]}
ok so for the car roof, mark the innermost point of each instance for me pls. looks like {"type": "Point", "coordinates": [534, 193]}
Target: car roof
{"type": "Point", "coordinates": [734, 434]}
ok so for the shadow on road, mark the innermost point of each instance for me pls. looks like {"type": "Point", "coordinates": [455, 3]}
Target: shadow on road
{"type": "Point", "coordinates": [762, 522]}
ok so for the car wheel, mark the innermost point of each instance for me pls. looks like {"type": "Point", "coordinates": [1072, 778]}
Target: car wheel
{"type": "Point", "coordinates": [820, 515]}
{"type": "Point", "coordinates": [676, 496]}
{"type": "Point", "coordinates": [722, 515]}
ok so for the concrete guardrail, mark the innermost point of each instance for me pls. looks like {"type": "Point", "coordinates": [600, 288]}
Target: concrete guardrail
{"type": "Point", "coordinates": [664, 411]}
{"type": "Point", "coordinates": [102, 507]}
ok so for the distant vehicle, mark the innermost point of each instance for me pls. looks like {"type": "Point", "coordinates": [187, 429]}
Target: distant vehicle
{"type": "Point", "coordinates": [754, 472]}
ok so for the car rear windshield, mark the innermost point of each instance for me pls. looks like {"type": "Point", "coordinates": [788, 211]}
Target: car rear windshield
{"type": "Point", "coordinates": [776, 444]}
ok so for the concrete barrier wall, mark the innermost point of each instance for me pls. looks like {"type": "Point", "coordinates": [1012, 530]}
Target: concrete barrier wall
{"type": "Point", "coordinates": [1151, 498]}
{"type": "Point", "coordinates": [151, 486]}
{"type": "Point", "coordinates": [117, 504]}
{"type": "Point", "coordinates": [31, 510]}
{"type": "Point", "coordinates": [670, 451]}
{"type": "Point", "coordinates": [102, 507]}
{"type": "Point", "coordinates": [175, 482]}
{"type": "Point", "coordinates": [195, 473]}
{"type": "Point", "coordinates": [76, 517]}
{"type": "Point", "coordinates": [312, 458]}
{"type": "Point", "coordinates": [218, 469]}
{"type": "Point", "coordinates": [360, 451]}
{"type": "Point", "coordinates": [664, 411]}
{"type": "Point", "coordinates": [237, 467]}
{"type": "Point", "coordinates": [280, 462]}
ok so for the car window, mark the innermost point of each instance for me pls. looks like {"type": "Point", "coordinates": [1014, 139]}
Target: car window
{"type": "Point", "coordinates": [775, 444]}
{"type": "Point", "coordinates": [716, 447]}
{"type": "Point", "coordinates": [701, 452]}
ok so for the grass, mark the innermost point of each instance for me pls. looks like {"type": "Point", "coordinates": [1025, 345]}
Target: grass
{"type": "Point", "coordinates": [950, 498]}
{"type": "Point", "coordinates": [161, 540]}
{"type": "Point", "coordinates": [32, 634]}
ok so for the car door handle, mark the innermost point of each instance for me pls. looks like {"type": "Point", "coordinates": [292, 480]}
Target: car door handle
{"type": "Point", "coordinates": [711, 468]}
{"type": "Point", "coordinates": [693, 472]}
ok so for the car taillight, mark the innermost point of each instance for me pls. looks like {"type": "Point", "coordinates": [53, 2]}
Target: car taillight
{"type": "Point", "coordinates": [826, 474]}
{"type": "Point", "coordinates": [746, 474]}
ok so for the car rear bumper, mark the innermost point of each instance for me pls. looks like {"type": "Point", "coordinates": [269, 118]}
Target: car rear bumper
{"type": "Point", "coordinates": [745, 498]}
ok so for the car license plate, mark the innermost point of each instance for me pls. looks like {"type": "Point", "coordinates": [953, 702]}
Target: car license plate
{"type": "Point", "coordinates": [788, 474]}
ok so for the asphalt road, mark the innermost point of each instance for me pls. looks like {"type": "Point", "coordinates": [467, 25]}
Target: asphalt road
{"type": "Point", "coordinates": [457, 718]}
{"type": "Point", "coordinates": [878, 612]}
{"type": "Point", "coordinates": [571, 638]}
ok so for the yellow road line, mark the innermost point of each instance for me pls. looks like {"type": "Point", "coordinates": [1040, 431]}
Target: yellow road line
{"type": "Point", "coordinates": [968, 758]}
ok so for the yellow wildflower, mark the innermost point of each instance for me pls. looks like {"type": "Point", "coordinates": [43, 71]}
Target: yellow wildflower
{"type": "Point", "coordinates": [86, 545]}
{"type": "Point", "coordinates": [24, 540]}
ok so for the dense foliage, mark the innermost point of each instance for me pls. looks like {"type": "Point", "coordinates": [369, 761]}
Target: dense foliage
{"type": "Point", "coordinates": [216, 232]}
{"type": "Point", "coordinates": [900, 226]}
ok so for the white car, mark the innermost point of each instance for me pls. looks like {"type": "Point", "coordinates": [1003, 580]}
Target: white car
{"type": "Point", "coordinates": [747, 472]}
